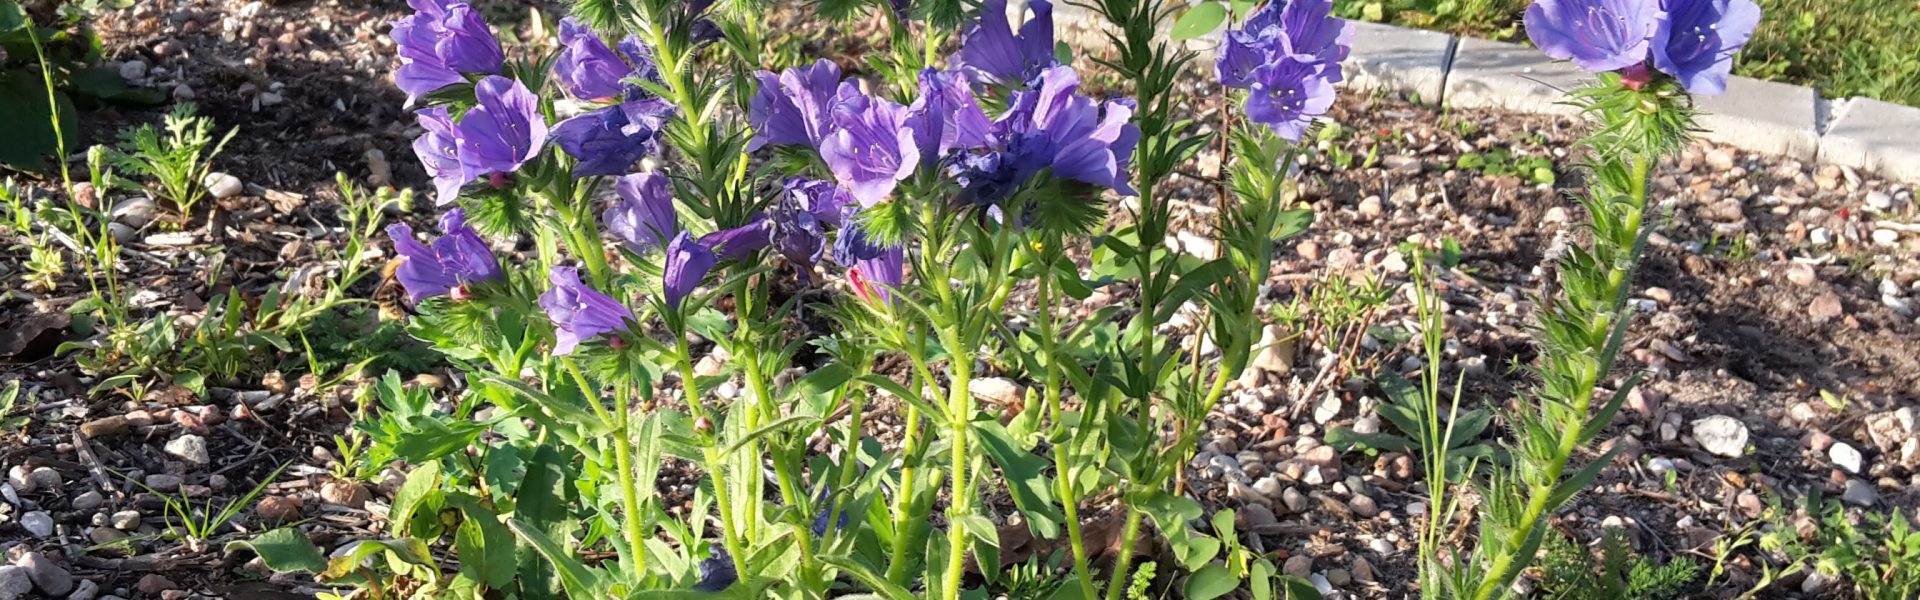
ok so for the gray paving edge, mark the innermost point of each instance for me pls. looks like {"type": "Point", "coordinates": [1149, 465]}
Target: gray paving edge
{"type": "Point", "coordinates": [1462, 72]}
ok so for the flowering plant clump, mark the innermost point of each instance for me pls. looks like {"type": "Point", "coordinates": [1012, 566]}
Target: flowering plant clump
{"type": "Point", "coordinates": [736, 270]}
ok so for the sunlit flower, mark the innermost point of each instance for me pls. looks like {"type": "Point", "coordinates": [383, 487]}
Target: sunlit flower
{"type": "Point", "coordinates": [990, 50]}
{"type": "Point", "coordinates": [589, 70]}
{"type": "Point", "coordinates": [459, 257]}
{"type": "Point", "coordinates": [792, 107]}
{"type": "Point", "coordinates": [644, 216]}
{"type": "Point", "coordinates": [607, 141]}
{"type": "Point", "coordinates": [878, 278]}
{"type": "Point", "coordinates": [438, 43]}
{"type": "Point", "coordinates": [945, 117]}
{"type": "Point", "coordinates": [1597, 35]}
{"type": "Point", "coordinates": [1286, 97]}
{"type": "Point", "coordinates": [579, 313]}
{"type": "Point", "coordinates": [688, 262]}
{"type": "Point", "coordinates": [505, 129]}
{"type": "Point", "coordinates": [1052, 128]}
{"type": "Point", "coordinates": [870, 148]}
{"type": "Point", "coordinates": [439, 152]}
{"type": "Point", "coordinates": [1696, 40]}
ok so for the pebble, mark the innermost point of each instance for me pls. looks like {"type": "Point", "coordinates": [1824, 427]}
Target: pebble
{"type": "Point", "coordinates": [21, 478]}
{"type": "Point", "coordinates": [1860, 493]}
{"type": "Point", "coordinates": [1846, 457]}
{"type": "Point", "coordinates": [1800, 274]}
{"type": "Point", "coordinates": [1295, 501]}
{"type": "Point", "coordinates": [154, 583]}
{"type": "Point", "coordinates": [1880, 201]}
{"type": "Point", "coordinates": [133, 70]}
{"type": "Point", "coordinates": [1886, 237]}
{"type": "Point", "coordinates": [126, 520]}
{"type": "Point", "coordinates": [1269, 487]}
{"type": "Point", "coordinates": [1382, 547]}
{"type": "Point", "coordinates": [222, 185]}
{"type": "Point", "coordinates": [1320, 584]}
{"type": "Point", "coordinates": [165, 482]}
{"type": "Point", "coordinates": [14, 582]}
{"type": "Point", "coordinates": [88, 500]}
{"type": "Point", "coordinates": [183, 93]}
{"type": "Point", "coordinates": [1328, 408]}
{"type": "Point", "coordinates": [1276, 355]}
{"type": "Point", "coordinates": [190, 448]}
{"type": "Point", "coordinates": [1371, 208]}
{"type": "Point", "coordinates": [87, 590]}
{"type": "Point", "coordinates": [48, 577]}
{"type": "Point", "coordinates": [38, 523]}
{"type": "Point", "coordinates": [1659, 465]}
{"type": "Point", "coordinates": [1721, 159]}
{"type": "Point", "coordinates": [1339, 577]}
{"type": "Point", "coordinates": [105, 426]}
{"type": "Point", "coordinates": [1721, 435]}
{"type": "Point", "coordinates": [1362, 569]}
{"type": "Point", "coordinates": [1298, 565]}
{"type": "Point", "coordinates": [1815, 583]}
{"type": "Point", "coordinates": [1364, 506]}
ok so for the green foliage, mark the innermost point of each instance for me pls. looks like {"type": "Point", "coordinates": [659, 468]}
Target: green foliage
{"type": "Point", "coordinates": [1874, 555]}
{"type": "Point", "coordinates": [1500, 162]}
{"type": "Point", "coordinates": [195, 526]}
{"type": "Point", "coordinates": [177, 161]}
{"type": "Point", "coordinates": [1570, 572]}
{"type": "Point", "coordinates": [9, 399]}
{"type": "Point", "coordinates": [46, 67]}
{"type": "Point", "coordinates": [1497, 19]}
{"type": "Point", "coordinates": [1844, 47]}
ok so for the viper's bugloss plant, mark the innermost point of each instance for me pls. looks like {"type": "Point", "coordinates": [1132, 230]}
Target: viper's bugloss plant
{"type": "Point", "coordinates": [715, 253]}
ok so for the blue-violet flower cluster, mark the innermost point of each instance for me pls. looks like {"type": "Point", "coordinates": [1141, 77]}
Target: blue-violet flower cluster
{"type": "Point", "coordinates": [1287, 56]}
{"type": "Point", "coordinates": [1691, 40]}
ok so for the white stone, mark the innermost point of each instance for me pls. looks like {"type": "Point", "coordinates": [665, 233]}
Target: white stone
{"type": "Point", "coordinates": [190, 448]}
{"type": "Point", "coordinates": [1327, 409]}
{"type": "Point", "coordinates": [222, 185]}
{"type": "Point", "coordinates": [1721, 435]}
{"type": "Point", "coordinates": [1886, 237]}
{"type": "Point", "coordinates": [1845, 456]}
{"type": "Point", "coordinates": [998, 390]}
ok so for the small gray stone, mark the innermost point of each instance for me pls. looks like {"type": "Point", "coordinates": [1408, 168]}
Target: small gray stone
{"type": "Point", "coordinates": [133, 70]}
{"type": "Point", "coordinates": [190, 448]}
{"type": "Point", "coordinates": [87, 590]}
{"type": "Point", "coordinates": [1721, 435]}
{"type": "Point", "coordinates": [1364, 506]}
{"type": "Point", "coordinates": [1860, 493]}
{"type": "Point", "coordinates": [1268, 486]}
{"type": "Point", "coordinates": [1295, 501]}
{"type": "Point", "coordinates": [14, 582]}
{"type": "Point", "coordinates": [88, 500]}
{"type": "Point", "coordinates": [1298, 565]}
{"type": "Point", "coordinates": [1382, 547]}
{"type": "Point", "coordinates": [48, 577]}
{"type": "Point", "coordinates": [38, 523]}
{"type": "Point", "coordinates": [164, 482]}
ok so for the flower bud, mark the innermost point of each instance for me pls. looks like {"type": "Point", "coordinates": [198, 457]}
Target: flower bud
{"type": "Point", "coordinates": [703, 426]}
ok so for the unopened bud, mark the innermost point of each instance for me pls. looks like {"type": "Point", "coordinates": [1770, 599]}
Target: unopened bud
{"type": "Point", "coordinates": [1636, 77]}
{"type": "Point", "coordinates": [703, 426]}
{"type": "Point", "coordinates": [460, 293]}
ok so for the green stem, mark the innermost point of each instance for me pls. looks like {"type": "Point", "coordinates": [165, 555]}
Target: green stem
{"type": "Point", "coordinates": [1503, 568]}
{"type": "Point", "coordinates": [1063, 467]}
{"type": "Point", "coordinates": [903, 501]}
{"type": "Point", "coordinates": [629, 487]}
{"type": "Point", "coordinates": [715, 466]}
{"type": "Point", "coordinates": [959, 410]}
{"type": "Point", "coordinates": [1124, 561]}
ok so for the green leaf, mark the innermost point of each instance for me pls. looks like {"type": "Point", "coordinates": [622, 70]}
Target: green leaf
{"type": "Point", "coordinates": [1026, 478]}
{"type": "Point", "coordinates": [1347, 440]}
{"type": "Point", "coordinates": [1199, 20]}
{"type": "Point", "coordinates": [284, 549]}
{"type": "Point", "coordinates": [28, 127]}
{"type": "Point", "coordinates": [1170, 512]}
{"type": "Point", "coordinates": [1299, 588]}
{"type": "Point", "coordinates": [422, 484]}
{"type": "Point", "coordinates": [980, 528]}
{"type": "Point", "coordinates": [484, 545]}
{"type": "Point", "coordinates": [859, 571]}
{"type": "Point", "coordinates": [1209, 582]}
{"type": "Point", "coordinates": [1579, 480]}
{"type": "Point", "coordinates": [765, 430]}
{"type": "Point", "coordinates": [579, 582]}
{"type": "Point", "coordinates": [106, 85]}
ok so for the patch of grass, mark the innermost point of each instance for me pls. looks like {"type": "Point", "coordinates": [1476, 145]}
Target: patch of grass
{"type": "Point", "coordinates": [1844, 47]}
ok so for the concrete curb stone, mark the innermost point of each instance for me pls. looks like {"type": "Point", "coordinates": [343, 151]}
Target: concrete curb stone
{"type": "Point", "coordinates": [1874, 135]}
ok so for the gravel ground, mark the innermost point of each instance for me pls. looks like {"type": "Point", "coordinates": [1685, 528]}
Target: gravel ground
{"type": "Point", "coordinates": [1766, 282]}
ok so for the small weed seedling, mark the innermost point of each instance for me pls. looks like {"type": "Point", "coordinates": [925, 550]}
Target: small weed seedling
{"type": "Point", "coordinates": [177, 160]}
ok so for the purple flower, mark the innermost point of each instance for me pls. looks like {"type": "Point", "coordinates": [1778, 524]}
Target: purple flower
{"type": "Point", "coordinates": [871, 148]}
{"type": "Point", "coordinates": [1052, 128]}
{"type": "Point", "coordinates": [829, 203]}
{"type": "Point", "coordinates": [644, 215]}
{"type": "Point", "coordinates": [991, 51]}
{"type": "Point", "coordinates": [877, 278]}
{"type": "Point", "coordinates": [448, 264]}
{"type": "Point", "coordinates": [1696, 40]}
{"type": "Point", "coordinates": [439, 42]}
{"type": "Point", "coordinates": [609, 140]}
{"type": "Point", "coordinates": [589, 70]}
{"type": "Point", "coordinates": [579, 313]}
{"type": "Point", "coordinates": [945, 117]}
{"type": "Point", "coordinates": [504, 131]}
{"type": "Point", "coordinates": [439, 152]}
{"type": "Point", "coordinates": [793, 107]}
{"type": "Point", "coordinates": [798, 236]}
{"type": "Point", "coordinates": [687, 263]}
{"type": "Point", "coordinates": [1286, 96]}
{"type": "Point", "coordinates": [820, 517]}
{"type": "Point", "coordinates": [1597, 35]}
{"type": "Point", "coordinates": [1301, 31]}
{"type": "Point", "coordinates": [738, 243]}
{"type": "Point", "coordinates": [716, 572]}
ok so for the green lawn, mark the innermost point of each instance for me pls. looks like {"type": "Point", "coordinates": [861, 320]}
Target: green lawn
{"type": "Point", "coordinates": [1843, 47]}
